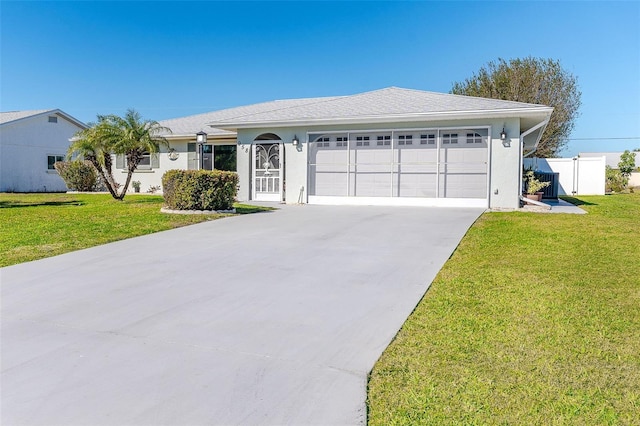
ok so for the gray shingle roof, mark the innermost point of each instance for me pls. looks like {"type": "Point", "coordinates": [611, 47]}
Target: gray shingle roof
{"type": "Point", "coordinates": [388, 103]}
{"type": "Point", "coordinates": [189, 126]}
{"type": "Point", "coordinates": [7, 117]}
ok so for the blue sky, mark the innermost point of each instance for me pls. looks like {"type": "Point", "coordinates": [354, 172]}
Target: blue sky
{"type": "Point", "coordinates": [172, 59]}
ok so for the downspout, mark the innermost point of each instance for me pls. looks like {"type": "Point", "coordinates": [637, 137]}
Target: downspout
{"type": "Point", "coordinates": [535, 147]}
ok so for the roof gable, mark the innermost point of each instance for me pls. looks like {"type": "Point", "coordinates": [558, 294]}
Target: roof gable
{"type": "Point", "coordinates": [13, 116]}
{"type": "Point", "coordinates": [8, 117]}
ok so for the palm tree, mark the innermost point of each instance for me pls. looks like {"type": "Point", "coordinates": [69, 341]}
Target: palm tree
{"type": "Point", "coordinates": [88, 145]}
{"type": "Point", "coordinates": [133, 137]}
{"type": "Point", "coordinates": [130, 136]}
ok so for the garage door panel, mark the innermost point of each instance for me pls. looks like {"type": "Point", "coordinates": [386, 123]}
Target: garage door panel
{"type": "Point", "coordinates": [328, 170]}
{"type": "Point", "coordinates": [370, 184]}
{"type": "Point", "coordinates": [415, 185]}
{"type": "Point", "coordinates": [463, 185]}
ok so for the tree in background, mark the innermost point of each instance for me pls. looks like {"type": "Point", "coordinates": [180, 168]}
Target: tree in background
{"type": "Point", "coordinates": [627, 163]}
{"type": "Point", "coordinates": [531, 80]}
{"type": "Point", "coordinates": [618, 179]}
{"type": "Point", "coordinates": [130, 136]}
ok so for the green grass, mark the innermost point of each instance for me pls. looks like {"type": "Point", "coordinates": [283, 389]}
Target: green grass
{"type": "Point", "coordinates": [535, 319]}
{"type": "Point", "coordinates": [35, 226]}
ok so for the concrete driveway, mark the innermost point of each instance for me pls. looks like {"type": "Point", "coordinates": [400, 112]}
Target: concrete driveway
{"type": "Point", "coordinates": [264, 319]}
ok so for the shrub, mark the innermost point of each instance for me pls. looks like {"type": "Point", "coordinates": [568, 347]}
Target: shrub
{"type": "Point", "coordinates": [77, 175]}
{"type": "Point", "coordinates": [199, 189]}
{"type": "Point", "coordinates": [616, 182]}
{"type": "Point", "coordinates": [533, 185]}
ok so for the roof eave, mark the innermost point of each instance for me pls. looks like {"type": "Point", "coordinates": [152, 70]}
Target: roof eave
{"type": "Point", "coordinates": [417, 117]}
{"type": "Point", "coordinates": [49, 112]}
{"type": "Point", "coordinates": [173, 137]}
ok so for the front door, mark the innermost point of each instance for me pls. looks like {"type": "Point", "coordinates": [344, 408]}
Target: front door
{"type": "Point", "coordinates": [207, 157]}
{"type": "Point", "coordinates": [267, 172]}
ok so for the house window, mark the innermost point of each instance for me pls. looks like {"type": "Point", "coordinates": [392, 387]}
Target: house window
{"type": "Point", "coordinates": [145, 161]}
{"type": "Point", "coordinates": [428, 139]}
{"type": "Point", "coordinates": [341, 141]}
{"type": "Point", "coordinates": [52, 159]}
{"type": "Point", "coordinates": [405, 140]}
{"type": "Point", "coordinates": [384, 140]}
{"type": "Point", "coordinates": [449, 138]}
{"type": "Point", "coordinates": [362, 141]}
{"type": "Point", "coordinates": [53, 119]}
{"type": "Point", "coordinates": [322, 142]}
{"type": "Point", "coordinates": [474, 138]}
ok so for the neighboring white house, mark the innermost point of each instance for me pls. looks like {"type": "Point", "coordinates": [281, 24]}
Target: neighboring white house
{"type": "Point", "coordinates": [391, 146]}
{"type": "Point", "coordinates": [611, 158]}
{"type": "Point", "coordinates": [30, 143]}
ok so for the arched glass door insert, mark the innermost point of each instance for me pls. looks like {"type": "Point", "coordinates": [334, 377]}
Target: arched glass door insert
{"type": "Point", "coordinates": [267, 168]}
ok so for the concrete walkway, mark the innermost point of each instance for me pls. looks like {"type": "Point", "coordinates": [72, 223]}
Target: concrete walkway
{"type": "Point", "coordinates": [263, 319]}
{"type": "Point", "coordinates": [556, 206]}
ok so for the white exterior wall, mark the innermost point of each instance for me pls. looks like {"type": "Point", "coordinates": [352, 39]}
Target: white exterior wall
{"type": "Point", "coordinates": [24, 147]}
{"type": "Point", "coordinates": [504, 175]}
{"type": "Point", "coordinates": [578, 175]}
{"type": "Point", "coordinates": [153, 177]}
{"type": "Point", "coordinates": [295, 161]}
{"type": "Point", "coordinates": [504, 161]}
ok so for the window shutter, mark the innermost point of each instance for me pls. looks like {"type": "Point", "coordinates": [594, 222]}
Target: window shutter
{"type": "Point", "coordinates": [155, 160]}
{"type": "Point", "coordinates": [192, 160]}
{"type": "Point", "coordinates": [119, 161]}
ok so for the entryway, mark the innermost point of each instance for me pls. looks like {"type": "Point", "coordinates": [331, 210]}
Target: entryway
{"type": "Point", "coordinates": [267, 173]}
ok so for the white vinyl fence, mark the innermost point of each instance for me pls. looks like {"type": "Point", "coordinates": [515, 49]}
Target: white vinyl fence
{"type": "Point", "coordinates": [578, 175]}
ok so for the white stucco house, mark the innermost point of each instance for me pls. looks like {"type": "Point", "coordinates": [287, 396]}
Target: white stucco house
{"type": "Point", "coordinates": [30, 143]}
{"type": "Point", "coordinates": [391, 146]}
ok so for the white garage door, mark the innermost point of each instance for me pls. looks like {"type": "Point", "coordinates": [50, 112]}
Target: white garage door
{"type": "Point", "coordinates": [415, 165]}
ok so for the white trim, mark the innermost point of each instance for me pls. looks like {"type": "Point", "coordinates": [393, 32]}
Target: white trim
{"type": "Point", "coordinates": [489, 157]}
{"type": "Point", "coordinates": [390, 118]}
{"type": "Point", "coordinates": [408, 129]}
{"type": "Point", "coordinates": [398, 201]}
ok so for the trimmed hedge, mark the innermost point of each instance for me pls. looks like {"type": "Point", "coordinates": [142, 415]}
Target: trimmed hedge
{"type": "Point", "coordinates": [77, 175]}
{"type": "Point", "coordinates": [199, 189]}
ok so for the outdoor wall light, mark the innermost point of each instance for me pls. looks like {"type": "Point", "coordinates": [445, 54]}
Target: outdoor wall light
{"type": "Point", "coordinates": [503, 137]}
{"type": "Point", "coordinates": [295, 140]}
{"type": "Point", "coordinates": [201, 137]}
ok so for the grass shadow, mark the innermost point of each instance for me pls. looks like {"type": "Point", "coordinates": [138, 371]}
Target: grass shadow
{"type": "Point", "coordinates": [18, 204]}
{"type": "Point", "coordinates": [248, 209]}
{"type": "Point", "coordinates": [576, 201]}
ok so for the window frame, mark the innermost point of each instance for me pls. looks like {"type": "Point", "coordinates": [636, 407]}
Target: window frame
{"type": "Point", "coordinates": [56, 158]}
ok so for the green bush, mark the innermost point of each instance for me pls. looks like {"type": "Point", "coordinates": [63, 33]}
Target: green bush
{"type": "Point", "coordinates": [616, 182]}
{"type": "Point", "coordinates": [199, 189]}
{"type": "Point", "coordinates": [77, 175]}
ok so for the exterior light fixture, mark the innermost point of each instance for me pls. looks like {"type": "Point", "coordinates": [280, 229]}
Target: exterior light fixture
{"type": "Point", "coordinates": [503, 137]}
{"type": "Point", "coordinates": [295, 140]}
{"type": "Point", "coordinates": [201, 139]}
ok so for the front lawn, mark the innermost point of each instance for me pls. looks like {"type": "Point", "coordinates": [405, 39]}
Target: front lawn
{"type": "Point", "coordinates": [535, 319]}
{"type": "Point", "coordinates": [34, 226]}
